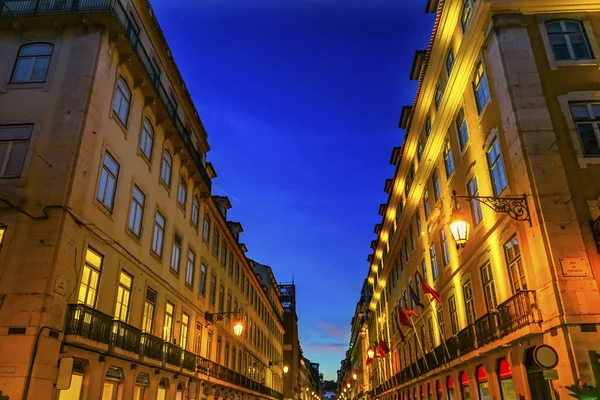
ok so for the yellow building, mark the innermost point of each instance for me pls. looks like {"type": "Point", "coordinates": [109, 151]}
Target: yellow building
{"type": "Point", "coordinates": [508, 104]}
{"type": "Point", "coordinates": [115, 257]}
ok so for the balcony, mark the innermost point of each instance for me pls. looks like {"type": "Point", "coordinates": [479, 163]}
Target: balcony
{"type": "Point", "coordinates": [517, 312]}
{"type": "Point", "coordinates": [466, 340]}
{"type": "Point", "coordinates": [154, 88]}
{"type": "Point", "coordinates": [90, 324]}
{"type": "Point", "coordinates": [486, 328]}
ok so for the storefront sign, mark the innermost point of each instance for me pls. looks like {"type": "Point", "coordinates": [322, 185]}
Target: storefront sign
{"type": "Point", "coordinates": [574, 267]}
{"type": "Point", "coordinates": [550, 374]}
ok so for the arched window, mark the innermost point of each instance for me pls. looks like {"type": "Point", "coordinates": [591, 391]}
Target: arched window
{"type": "Point", "coordinates": [179, 393]}
{"type": "Point", "coordinates": [147, 139]}
{"type": "Point", "coordinates": [113, 378]}
{"type": "Point", "coordinates": [482, 383]}
{"type": "Point", "coordinates": [568, 40]}
{"type": "Point", "coordinates": [32, 63]}
{"type": "Point", "coordinates": [122, 100]}
{"type": "Point", "coordinates": [166, 167]}
{"type": "Point", "coordinates": [141, 383]}
{"type": "Point", "coordinates": [163, 388]}
{"type": "Point", "coordinates": [77, 376]}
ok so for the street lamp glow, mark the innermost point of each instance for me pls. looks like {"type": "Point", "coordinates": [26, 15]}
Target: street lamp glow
{"type": "Point", "coordinates": [370, 352]}
{"type": "Point", "coordinates": [459, 228]}
{"type": "Point", "coordinates": [238, 328]}
{"type": "Point", "coordinates": [285, 369]}
{"type": "Point", "coordinates": [354, 376]}
{"type": "Point", "coordinates": [348, 385]}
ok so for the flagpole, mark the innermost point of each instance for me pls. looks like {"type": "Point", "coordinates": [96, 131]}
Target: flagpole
{"type": "Point", "coordinates": [437, 322]}
{"type": "Point", "coordinates": [419, 341]}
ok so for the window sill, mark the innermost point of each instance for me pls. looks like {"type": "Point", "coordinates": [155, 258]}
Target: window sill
{"type": "Point", "coordinates": [45, 86]}
{"type": "Point", "coordinates": [165, 185]}
{"type": "Point", "coordinates": [120, 123]}
{"type": "Point", "coordinates": [173, 272]}
{"type": "Point", "coordinates": [104, 209]}
{"type": "Point", "coordinates": [483, 110]}
{"type": "Point", "coordinates": [156, 256]}
{"type": "Point", "coordinates": [132, 235]}
{"type": "Point", "coordinates": [146, 159]}
{"type": "Point", "coordinates": [575, 63]}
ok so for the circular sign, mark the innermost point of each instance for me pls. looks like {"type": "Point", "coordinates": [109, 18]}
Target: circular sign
{"type": "Point", "coordinates": [545, 356]}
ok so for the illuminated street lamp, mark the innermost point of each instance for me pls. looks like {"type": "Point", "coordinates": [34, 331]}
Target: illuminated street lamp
{"type": "Point", "coordinates": [354, 376]}
{"type": "Point", "coordinates": [459, 228]}
{"type": "Point", "coordinates": [348, 385]}
{"type": "Point", "coordinates": [370, 352]}
{"type": "Point", "coordinates": [238, 327]}
{"type": "Point", "coordinates": [285, 367]}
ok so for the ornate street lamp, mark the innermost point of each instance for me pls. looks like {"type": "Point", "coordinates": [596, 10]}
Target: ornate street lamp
{"type": "Point", "coordinates": [285, 367]}
{"type": "Point", "coordinates": [370, 352]}
{"type": "Point", "coordinates": [515, 206]}
{"type": "Point", "coordinates": [238, 326]}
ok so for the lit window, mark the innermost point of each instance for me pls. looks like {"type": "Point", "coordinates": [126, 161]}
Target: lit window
{"type": "Point", "coordinates": [158, 235]}
{"type": "Point", "coordinates": [202, 280]}
{"type": "Point", "coordinates": [198, 339]}
{"type": "Point", "coordinates": [32, 63]}
{"type": "Point", "coordinates": [149, 307]}
{"type": "Point", "coordinates": [166, 167]}
{"type": "Point", "coordinates": [168, 324]}
{"type": "Point", "coordinates": [182, 192]}
{"type": "Point", "coordinates": [108, 181]}
{"type": "Point", "coordinates": [90, 277]}
{"type": "Point", "coordinates": [77, 376]}
{"type": "Point", "coordinates": [481, 87]}
{"type": "Point", "coordinates": [122, 101]}
{"type": "Point", "coordinates": [516, 272]}
{"type": "Point", "coordinates": [568, 40]}
{"type": "Point", "coordinates": [434, 263]}
{"type": "Point", "coordinates": [195, 212]}
{"type": "Point", "coordinates": [14, 141]}
{"type": "Point", "coordinates": [473, 190]}
{"type": "Point", "coordinates": [176, 253]}
{"type": "Point", "coordinates": [449, 60]}
{"type": "Point", "coordinates": [147, 139]}
{"type": "Point", "coordinates": [183, 333]}
{"type": "Point", "coordinates": [136, 211]}
{"type": "Point", "coordinates": [438, 95]}
{"type": "Point", "coordinates": [123, 296]}
{"type": "Point", "coordinates": [445, 248]}
{"type": "Point", "coordinates": [489, 290]}
{"type": "Point", "coordinates": [448, 159]}
{"type": "Point", "coordinates": [189, 271]}
{"type": "Point", "coordinates": [465, 15]}
{"type": "Point", "coordinates": [586, 117]}
{"type": "Point", "coordinates": [453, 315]}
{"type": "Point", "coordinates": [461, 128]}
{"type": "Point", "coordinates": [496, 165]}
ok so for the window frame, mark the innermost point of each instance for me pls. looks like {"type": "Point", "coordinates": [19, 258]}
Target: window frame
{"type": "Point", "coordinates": [480, 81]}
{"type": "Point", "coordinates": [126, 93]}
{"type": "Point", "coordinates": [11, 146]}
{"type": "Point", "coordinates": [463, 135]}
{"type": "Point", "coordinates": [35, 58]}
{"type": "Point", "coordinates": [114, 177]}
{"type": "Point", "coordinates": [146, 140]}
{"type": "Point", "coordinates": [158, 251]}
{"type": "Point", "coordinates": [202, 280]}
{"type": "Point", "coordinates": [566, 35]}
{"type": "Point", "coordinates": [499, 186]}
{"type": "Point", "coordinates": [166, 163]}
{"type": "Point", "coordinates": [190, 269]}
{"type": "Point", "coordinates": [133, 213]}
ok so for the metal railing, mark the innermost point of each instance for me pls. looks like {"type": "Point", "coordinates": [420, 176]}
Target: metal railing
{"type": "Point", "coordinates": [114, 7]}
{"type": "Point", "coordinates": [517, 312]}
{"type": "Point", "coordinates": [486, 328]}
{"type": "Point", "coordinates": [94, 325]}
{"type": "Point", "coordinates": [466, 339]}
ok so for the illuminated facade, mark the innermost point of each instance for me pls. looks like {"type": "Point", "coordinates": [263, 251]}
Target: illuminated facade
{"type": "Point", "coordinates": [114, 249]}
{"type": "Point", "coordinates": [507, 104]}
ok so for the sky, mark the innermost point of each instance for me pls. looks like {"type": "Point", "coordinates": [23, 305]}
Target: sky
{"type": "Point", "coordinates": [301, 101]}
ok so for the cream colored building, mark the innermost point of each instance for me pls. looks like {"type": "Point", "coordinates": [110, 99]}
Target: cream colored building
{"type": "Point", "coordinates": [113, 249]}
{"type": "Point", "coordinates": [508, 103]}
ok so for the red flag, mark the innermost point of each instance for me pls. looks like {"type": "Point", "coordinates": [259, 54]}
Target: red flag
{"type": "Point", "coordinates": [384, 347]}
{"type": "Point", "coordinates": [429, 289]}
{"type": "Point", "coordinates": [403, 318]}
{"type": "Point", "coordinates": [410, 312]}
{"type": "Point", "coordinates": [369, 361]}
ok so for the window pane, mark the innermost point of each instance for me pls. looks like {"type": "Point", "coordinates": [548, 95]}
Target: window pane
{"type": "Point", "coordinates": [16, 159]}
{"type": "Point", "coordinates": [40, 68]}
{"type": "Point", "coordinates": [559, 47]}
{"type": "Point", "coordinates": [36, 50]}
{"type": "Point", "coordinates": [580, 47]}
{"type": "Point", "coordinates": [22, 68]}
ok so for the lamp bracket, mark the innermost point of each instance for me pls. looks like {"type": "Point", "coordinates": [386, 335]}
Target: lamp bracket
{"type": "Point", "coordinates": [515, 206]}
{"type": "Point", "coordinates": [211, 318]}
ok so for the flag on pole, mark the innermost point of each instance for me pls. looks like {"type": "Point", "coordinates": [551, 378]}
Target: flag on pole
{"type": "Point", "coordinates": [397, 319]}
{"type": "Point", "coordinates": [382, 349]}
{"type": "Point", "coordinates": [403, 317]}
{"type": "Point", "coordinates": [428, 289]}
{"type": "Point", "coordinates": [414, 297]}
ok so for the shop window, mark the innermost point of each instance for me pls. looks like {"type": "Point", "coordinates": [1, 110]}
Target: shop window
{"type": "Point", "coordinates": [507, 385]}
{"type": "Point", "coordinates": [163, 388]}
{"type": "Point", "coordinates": [141, 383]}
{"type": "Point", "coordinates": [179, 393]}
{"type": "Point", "coordinates": [113, 378]}
{"type": "Point", "coordinates": [438, 389]}
{"type": "Point", "coordinates": [482, 384]}
{"type": "Point", "coordinates": [74, 391]}
{"type": "Point", "coordinates": [464, 386]}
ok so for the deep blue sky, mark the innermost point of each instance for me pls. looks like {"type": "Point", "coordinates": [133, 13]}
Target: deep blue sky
{"type": "Point", "coordinates": [301, 101]}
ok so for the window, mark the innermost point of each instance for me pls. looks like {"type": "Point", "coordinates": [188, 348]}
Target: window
{"type": "Point", "coordinates": [568, 40]}
{"type": "Point", "coordinates": [516, 272]}
{"type": "Point", "coordinates": [218, 352]}
{"type": "Point", "coordinates": [213, 290]}
{"type": "Point", "coordinates": [77, 377]}
{"type": "Point", "coordinates": [233, 359]}
{"type": "Point", "coordinates": [431, 333]}
{"type": "Point", "coordinates": [14, 141]}
{"type": "Point", "coordinates": [449, 60]}
{"type": "Point", "coordinates": [183, 333]}
{"type": "Point", "coordinates": [123, 296]}
{"type": "Point", "coordinates": [90, 276]}
{"type": "Point", "coordinates": [196, 213]}
{"type": "Point", "coordinates": [206, 228]}
{"type": "Point", "coordinates": [136, 211]}
{"type": "Point", "coordinates": [461, 128]}
{"type": "Point", "coordinates": [440, 317]}
{"type": "Point", "coordinates": [147, 139]}
{"type": "Point", "coordinates": [209, 344]}
{"type": "Point", "coordinates": [434, 263]}
{"type": "Point", "coordinates": [158, 235]}
{"type": "Point", "coordinates": [216, 240]}
{"type": "Point", "coordinates": [427, 126]}
{"type": "Point", "coordinates": [166, 167]}
{"type": "Point", "coordinates": [122, 101]}
{"type": "Point", "coordinates": [465, 15]}
{"type": "Point", "coordinates": [149, 306]}
{"type": "Point", "coordinates": [32, 63]}
{"type": "Point", "coordinates": [198, 339]}
{"type": "Point", "coordinates": [425, 274]}
{"type": "Point", "coordinates": [426, 206]}
{"type": "Point", "coordinates": [438, 95]}
{"type": "Point", "coordinates": [221, 298]}
{"type": "Point", "coordinates": [189, 271]}
{"type": "Point", "coordinates": [480, 87]}
{"type": "Point", "coordinates": [237, 273]}
{"type": "Point", "coordinates": [406, 250]}
{"type": "Point", "coordinates": [228, 309]}
{"type": "Point", "coordinates": [437, 187]}
{"type": "Point", "coordinates": [412, 237]}
{"type": "Point", "coordinates": [226, 355]}
{"type": "Point", "coordinates": [224, 251]}
{"type": "Point", "coordinates": [489, 291]}
{"type": "Point", "coordinates": [418, 218]}
{"type": "Point", "coordinates": [108, 181]}
{"type": "Point", "coordinates": [496, 165]}
{"type": "Point", "coordinates": [453, 315]}
{"type": "Point", "coordinates": [473, 190]}
{"type": "Point", "coordinates": [448, 159]}
{"type": "Point", "coordinates": [230, 264]}
{"type": "Point", "coordinates": [168, 324]}
{"type": "Point", "coordinates": [176, 253]}
{"type": "Point", "coordinates": [445, 248]}
{"type": "Point", "coordinates": [586, 117]}
{"type": "Point", "coordinates": [422, 338]}
{"type": "Point", "coordinates": [469, 304]}
{"type": "Point", "coordinates": [420, 148]}
{"type": "Point", "coordinates": [202, 280]}
{"type": "Point", "coordinates": [182, 192]}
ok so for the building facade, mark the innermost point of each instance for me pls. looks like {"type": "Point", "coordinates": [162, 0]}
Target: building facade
{"type": "Point", "coordinates": [506, 115]}
{"type": "Point", "coordinates": [113, 248]}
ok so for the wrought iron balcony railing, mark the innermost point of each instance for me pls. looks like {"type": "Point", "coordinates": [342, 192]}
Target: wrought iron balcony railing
{"type": "Point", "coordinates": [486, 328]}
{"type": "Point", "coordinates": [91, 324]}
{"type": "Point", "coordinates": [517, 312]}
{"type": "Point", "coordinates": [466, 339]}
{"type": "Point", "coordinates": [14, 8]}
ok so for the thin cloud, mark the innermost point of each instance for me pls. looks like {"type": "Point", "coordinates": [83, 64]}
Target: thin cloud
{"type": "Point", "coordinates": [333, 331]}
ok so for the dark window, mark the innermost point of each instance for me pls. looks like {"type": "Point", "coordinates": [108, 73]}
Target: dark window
{"type": "Point", "coordinates": [586, 117]}
{"type": "Point", "coordinates": [14, 142]}
{"type": "Point", "coordinates": [568, 40]}
{"type": "Point", "coordinates": [32, 63]}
